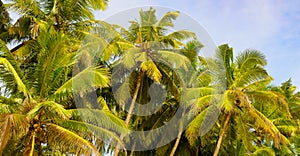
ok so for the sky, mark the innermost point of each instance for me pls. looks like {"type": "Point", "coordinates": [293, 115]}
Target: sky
{"type": "Point", "coordinates": [270, 26]}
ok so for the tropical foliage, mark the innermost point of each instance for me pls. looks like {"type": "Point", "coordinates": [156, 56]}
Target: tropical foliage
{"type": "Point", "coordinates": [74, 85]}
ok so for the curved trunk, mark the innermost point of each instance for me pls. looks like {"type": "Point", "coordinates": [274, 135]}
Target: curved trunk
{"type": "Point", "coordinates": [132, 149]}
{"type": "Point", "coordinates": [32, 145]}
{"type": "Point", "coordinates": [136, 91]}
{"type": "Point", "coordinates": [137, 88]}
{"type": "Point", "coordinates": [222, 135]}
{"type": "Point", "coordinates": [176, 144]}
{"type": "Point", "coordinates": [178, 137]}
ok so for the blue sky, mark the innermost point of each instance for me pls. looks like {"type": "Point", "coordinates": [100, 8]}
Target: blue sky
{"type": "Point", "coordinates": [271, 26]}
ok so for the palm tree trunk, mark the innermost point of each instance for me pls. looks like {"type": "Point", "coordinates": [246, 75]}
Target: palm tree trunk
{"type": "Point", "coordinates": [138, 84]}
{"type": "Point", "coordinates": [176, 144]}
{"type": "Point", "coordinates": [137, 88]}
{"type": "Point", "coordinates": [132, 149]}
{"type": "Point", "coordinates": [32, 145]}
{"type": "Point", "coordinates": [222, 134]}
{"type": "Point", "coordinates": [178, 136]}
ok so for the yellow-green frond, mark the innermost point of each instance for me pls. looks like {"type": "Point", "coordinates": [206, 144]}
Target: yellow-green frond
{"type": "Point", "coordinates": [18, 81]}
{"type": "Point", "coordinates": [167, 19]}
{"type": "Point", "coordinates": [152, 71]}
{"type": "Point", "coordinates": [100, 133]}
{"type": "Point", "coordinates": [264, 151]}
{"type": "Point", "coordinates": [51, 109]}
{"type": "Point", "coordinates": [61, 137]}
{"type": "Point", "coordinates": [101, 118]}
{"type": "Point", "coordinates": [92, 77]}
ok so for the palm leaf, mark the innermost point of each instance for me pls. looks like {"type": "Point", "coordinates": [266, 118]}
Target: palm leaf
{"type": "Point", "coordinates": [99, 132]}
{"type": "Point", "coordinates": [51, 109]}
{"type": "Point", "coordinates": [5, 136]}
{"type": "Point", "coordinates": [167, 19]}
{"type": "Point", "coordinates": [17, 79]}
{"type": "Point", "coordinates": [14, 125]}
{"type": "Point", "coordinates": [249, 59]}
{"type": "Point", "coordinates": [174, 60]}
{"type": "Point", "coordinates": [151, 69]}
{"type": "Point", "coordinates": [264, 151]}
{"type": "Point", "coordinates": [101, 118]}
{"type": "Point", "coordinates": [148, 18]}
{"type": "Point", "coordinates": [29, 7]}
{"type": "Point", "coordinates": [62, 137]}
{"type": "Point", "coordinates": [85, 80]}
{"type": "Point", "coordinates": [193, 129]}
{"type": "Point", "coordinates": [252, 75]}
{"type": "Point", "coordinates": [269, 127]}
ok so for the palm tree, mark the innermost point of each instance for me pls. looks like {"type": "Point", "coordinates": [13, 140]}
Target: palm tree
{"type": "Point", "coordinates": [152, 54]}
{"type": "Point", "coordinates": [288, 124]}
{"type": "Point", "coordinates": [60, 13]}
{"type": "Point", "coordinates": [242, 83]}
{"type": "Point", "coordinates": [38, 100]}
{"type": "Point", "coordinates": [287, 89]}
{"type": "Point", "coordinates": [190, 50]}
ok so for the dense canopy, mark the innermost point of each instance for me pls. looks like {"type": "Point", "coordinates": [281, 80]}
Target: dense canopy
{"type": "Point", "coordinates": [74, 85]}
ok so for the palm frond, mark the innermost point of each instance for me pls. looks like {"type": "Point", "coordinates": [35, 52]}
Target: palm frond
{"type": "Point", "coordinates": [269, 127]}
{"type": "Point", "coordinates": [259, 83]}
{"type": "Point", "coordinates": [54, 56]}
{"type": "Point", "coordinates": [92, 77]}
{"type": "Point", "coordinates": [270, 96]}
{"type": "Point", "coordinates": [148, 18]}
{"type": "Point", "coordinates": [227, 100]}
{"type": "Point", "coordinates": [264, 151]}
{"type": "Point", "coordinates": [51, 109]}
{"type": "Point", "coordinates": [5, 109]}
{"type": "Point", "coordinates": [103, 103]}
{"type": "Point", "coordinates": [5, 136]}
{"type": "Point", "coordinates": [98, 5]}
{"type": "Point", "coordinates": [167, 19]}
{"type": "Point", "coordinates": [195, 93]}
{"type": "Point", "coordinates": [27, 51]}
{"type": "Point", "coordinates": [286, 126]}
{"type": "Point", "coordinates": [14, 125]}
{"type": "Point", "coordinates": [249, 59]}
{"type": "Point", "coordinates": [129, 57]}
{"type": "Point", "coordinates": [173, 60]}
{"type": "Point", "coordinates": [243, 133]}
{"type": "Point", "coordinates": [101, 118]}
{"type": "Point", "coordinates": [193, 129]}
{"type": "Point", "coordinates": [5, 53]}
{"type": "Point", "coordinates": [59, 136]}
{"type": "Point", "coordinates": [17, 79]}
{"type": "Point", "coordinates": [181, 35]}
{"type": "Point", "coordinates": [101, 133]}
{"type": "Point", "coordinates": [151, 69]}
{"type": "Point", "coordinates": [251, 76]}
{"type": "Point", "coordinates": [26, 7]}
{"type": "Point", "coordinates": [224, 59]}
